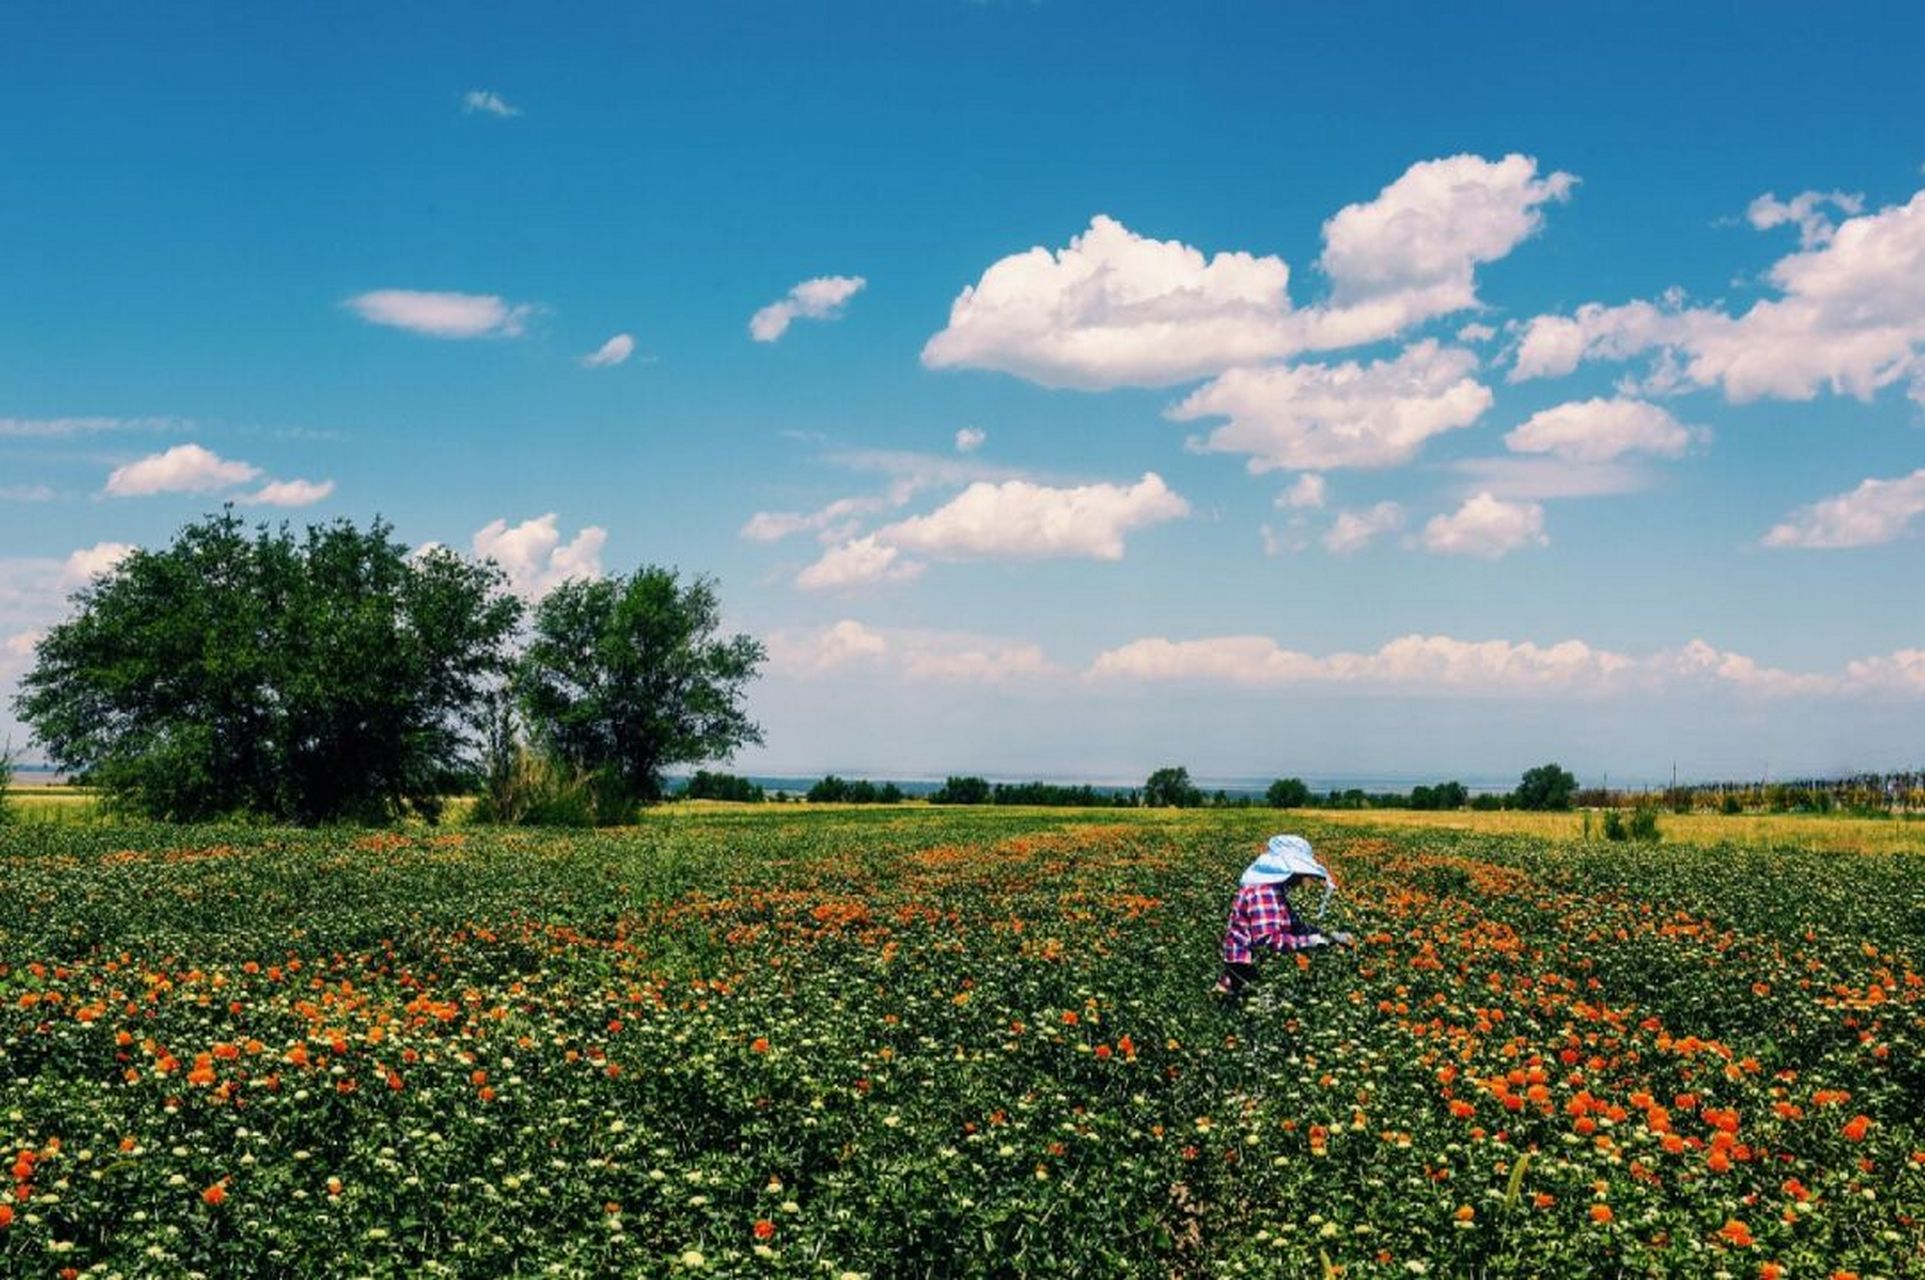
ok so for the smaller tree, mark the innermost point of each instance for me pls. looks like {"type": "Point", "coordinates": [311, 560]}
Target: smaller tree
{"type": "Point", "coordinates": [1170, 788]}
{"type": "Point", "coordinates": [1549, 786]}
{"type": "Point", "coordinates": [831, 790]}
{"type": "Point", "coordinates": [625, 677]}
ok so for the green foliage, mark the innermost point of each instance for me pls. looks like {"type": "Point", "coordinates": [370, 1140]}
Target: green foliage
{"type": "Point", "coordinates": [957, 790]}
{"type": "Point", "coordinates": [1730, 805]}
{"type": "Point", "coordinates": [834, 790]}
{"type": "Point", "coordinates": [1445, 795]}
{"type": "Point", "coordinates": [1549, 786]}
{"type": "Point", "coordinates": [625, 677]}
{"type": "Point", "coordinates": [1486, 802]}
{"type": "Point", "coordinates": [1642, 824]}
{"type": "Point", "coordinates": [722, 786]}
{"type": "Point", "coordinates": [323, 678]}
{"type": "Point", "coordinates": [6, 784]}
{"type": "Point", "coordinates": [1170, 788]}
{"type": "Point", "coordinates": [1287, 793]}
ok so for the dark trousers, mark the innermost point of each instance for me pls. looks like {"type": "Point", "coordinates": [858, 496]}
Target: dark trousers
{"type": "Point", "coordinates": [1240, 976]}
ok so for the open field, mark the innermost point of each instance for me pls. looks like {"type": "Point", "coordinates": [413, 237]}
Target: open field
{"type": "Point", "coordinates": [1816, 832]}
{"type": "Point", "coordinates": [919, 1042]}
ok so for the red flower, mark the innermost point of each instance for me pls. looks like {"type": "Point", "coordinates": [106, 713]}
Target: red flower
{"type": "Point", "coordinates": [214, 1194]}
{"type": "Point", "coordinates": [764, 1229]}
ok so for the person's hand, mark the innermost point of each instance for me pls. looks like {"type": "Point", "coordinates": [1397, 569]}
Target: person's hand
{"type": "Point", "coordinates": [1343, 939]}
{"type": "Point", "coordinates": [1222, 987]}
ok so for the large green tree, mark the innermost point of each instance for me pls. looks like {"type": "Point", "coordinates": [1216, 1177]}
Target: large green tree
{"type": "Point", "coordinates": [624, 677]}
{"type": "Point", "coordinates": [315, 678]}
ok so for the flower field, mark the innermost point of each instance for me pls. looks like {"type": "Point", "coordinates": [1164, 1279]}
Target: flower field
{"type": "Point", "coordinates": [932, 1042]}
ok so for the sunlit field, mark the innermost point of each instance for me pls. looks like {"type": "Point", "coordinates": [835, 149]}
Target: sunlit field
{"type": "Point", "coordinates": [1816, 832]}
{"type": "Point", "coordinates": [927, 1042]}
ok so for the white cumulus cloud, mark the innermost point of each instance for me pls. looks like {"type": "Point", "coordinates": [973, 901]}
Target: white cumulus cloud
{"type": "Point", "coordinates": [1308, 490]}
{"type": "Point", "coordinates": [1848, 317]}
{"type": "Point", "coordinates": [1019, 519]}
{"type": "Point", "coordinates": [88, 563]}
{"type": "Point", "coordinates": [858, 562]}
{"type": "Point", "coordinates": [1118, 309]}
{"type": "Point", "coordinates": [1345, 415]}
{"type": "Point", "coordinates": [1412, 253]}
{"type": "Point", "coordinates": [970, 439]}
{"type": "Point", "coordinates": [289, 493]}
{"type": "Point", "coordinates": [534, 556]}
{"type": "Point", "coordinates": [1355, 530]}
{"type": "Point", "coordinates": [185, 468]}
{"type": "Point", "coordinates": [614, 351]}
{"type": "Point", "coordinates": [1115, 308]}
{"type": "Point", "coordinates": [819, 299]}
{"type": "Point", "coordinates": [946, 657]}
{"type": "Point", "coordinates": [1877, 511]}
{"type": "Point", "coordinates": [1598, 430]}
{"type": "Point", "coordinates": [443, 315]}
{"type": "Point", "coordinates": [1487, 527]}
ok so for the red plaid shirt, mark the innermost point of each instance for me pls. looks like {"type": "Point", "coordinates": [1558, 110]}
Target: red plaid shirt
{"type": "Point", "coordinates": [1261, 917]}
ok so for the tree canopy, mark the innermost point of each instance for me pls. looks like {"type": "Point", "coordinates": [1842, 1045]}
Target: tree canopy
{"type": "Point", "coordinates": [1549, 786]}
{"type": "Point", "coordinates": [1170, 787]}
{"type": "Point", "coordinates": [626, 676]}
{"type": "Point", "coordinates": [319, 678]}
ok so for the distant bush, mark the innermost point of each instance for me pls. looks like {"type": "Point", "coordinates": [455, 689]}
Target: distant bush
{"type": "Point", "coordinates": [1487, 802]}
{"type": "Point", "coordinates": [962, 791]}
{"type": "Point", "coordinates": [1287, 793]}
{"type": "Point", "coordinates": [6, 784]}
{"type": "Point", "coordinates": [834, 790]}
{"type": "Point", "coordinates": [1549, 786]}
{"type": "Point", "coordinates": [1730, 804]}
{"type": "Point", "coordinates": [722, 786]}
{"type": "Point", "coordinates": [1170, 788]}
{"type": "Point", "coordinates": [1445, 795]}
{"type": "Point", "coordinates": [1643, 824]}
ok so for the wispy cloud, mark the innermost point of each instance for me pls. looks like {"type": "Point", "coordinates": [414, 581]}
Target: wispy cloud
{"type": "Point", "coordinates": [819, 299]}
{"type": "Point", "coordinates": [65, 428]}
{"type": "Point", "coordinates": [443, 315]}
{"type": "Point", "coordinates": [488, 103]}
{"type": "Point", "coordinates": [614, 351]}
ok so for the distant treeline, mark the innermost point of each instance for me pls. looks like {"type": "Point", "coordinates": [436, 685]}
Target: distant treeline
{"type": "Point", "coordinates": [1547, 787]}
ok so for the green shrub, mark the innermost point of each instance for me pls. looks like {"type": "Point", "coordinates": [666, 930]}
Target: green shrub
{"type": "Point", "coordinates": [1614, 825]}
{"type": "Point", "coordinates": [1730, 804]}
{"type": "Point", "coordinates": [1644, 823]}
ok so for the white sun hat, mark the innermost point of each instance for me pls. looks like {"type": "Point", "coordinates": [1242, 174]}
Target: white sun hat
{"type": "Point", "coordinates": [1286, 856]}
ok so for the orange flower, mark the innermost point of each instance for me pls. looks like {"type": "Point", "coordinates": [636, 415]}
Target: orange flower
{"type": "Point", "coordinates": [1855, 1128]}
{"type": "Point", "coordinates": [1462, 1109]}
{"type": "Point", "coordinates": [214, 1194]}
{"type": "Point", "coordinates": [1102, 1051]}
{"type": "Point", "coordinates": [1464, 1213]}
{"type": "Point", "coordinates": [6, 1216]}
{"type": "Point", "coordinates": [760, 1044]}
{"type": "Point", "coordinates": [1543, 1199]}
{"type": "Point", "coordinates": [1770, 1271]}
{"type": "Point", "coordinates": [1735, 1233]}
{"type": "Point", "coordinates": [764, 1229]}
{"type": "Point", "coordinates": [1601, 1213]}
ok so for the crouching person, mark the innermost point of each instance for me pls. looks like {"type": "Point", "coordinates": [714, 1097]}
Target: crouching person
{"type": "Point", "coordinates": [1262, 918]}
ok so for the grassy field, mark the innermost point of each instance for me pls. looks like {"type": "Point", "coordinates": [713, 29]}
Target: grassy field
{"type": "Point", "coordinates": [782, 1041]}
{"type": "Point", "coordinates": [1814, 832]}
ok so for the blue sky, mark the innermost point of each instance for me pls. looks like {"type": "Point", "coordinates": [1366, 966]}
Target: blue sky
{"type": "Point", "coordinates": [1613, 459]}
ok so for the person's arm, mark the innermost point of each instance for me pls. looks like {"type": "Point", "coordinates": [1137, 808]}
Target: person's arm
{"type": "Point", "coordinates": [1236, 936]}
{"type": "Point", "coordinates": [1295, 933]}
